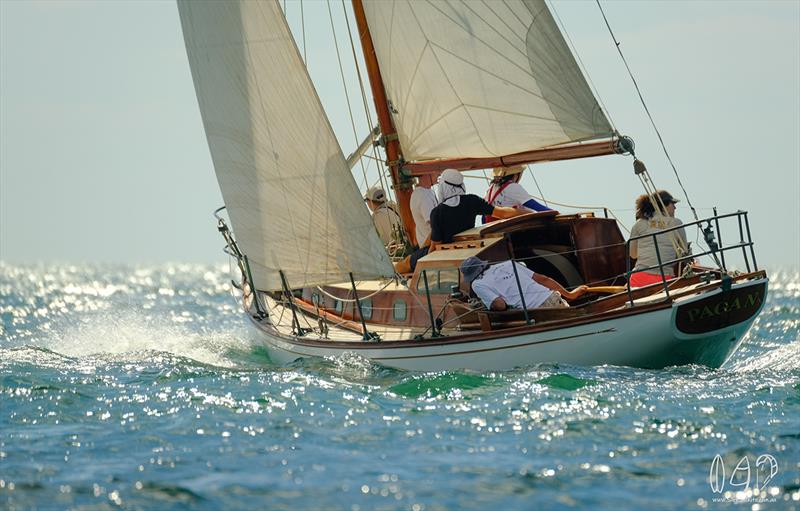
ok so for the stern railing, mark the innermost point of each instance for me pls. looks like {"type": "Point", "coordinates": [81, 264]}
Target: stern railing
{"type": "Point", "coordinates": [715, 247]}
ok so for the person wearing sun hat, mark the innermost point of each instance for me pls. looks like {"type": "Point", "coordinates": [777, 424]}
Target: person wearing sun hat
{"type": "Point", "coordinates": [385, 218]}
{"type": "Point", "coordinates": [496, 286]}
{"type": "Point", "coordinates": [457, 209]}
{"type": "Point", "coordinates": [505, 190]}
{"type": "Point", "coordinates": [655, 213]}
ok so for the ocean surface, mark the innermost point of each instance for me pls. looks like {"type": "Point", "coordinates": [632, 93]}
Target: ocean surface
{"type": "Point", "coordinates": [144, 388]}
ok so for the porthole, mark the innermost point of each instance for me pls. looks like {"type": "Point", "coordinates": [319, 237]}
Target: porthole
{"type": "Point", "coordinates": [366, 308]}
{"type": "Point", "coordinates": [400, 310]}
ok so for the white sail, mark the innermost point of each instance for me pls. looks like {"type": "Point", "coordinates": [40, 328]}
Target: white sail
{"type": "Point", "coordinates": [292, 201]}
{"type": "Point", "coordinates": [480, 78]}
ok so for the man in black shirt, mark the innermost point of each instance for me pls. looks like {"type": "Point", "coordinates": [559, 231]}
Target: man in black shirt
{"type": "Point", "coordinates": [457, 210]}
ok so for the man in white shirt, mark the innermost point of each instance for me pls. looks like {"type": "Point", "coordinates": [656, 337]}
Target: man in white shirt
{"type": "Point", "coordinates": [423, 200]}
{"type": "Point", "coordinates": [496, 286]}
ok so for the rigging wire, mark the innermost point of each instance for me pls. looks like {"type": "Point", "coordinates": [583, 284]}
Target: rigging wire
{"type": "Point", "coordinates": [364, 100]}
{"type": "Point", "coordinates": [536, 182]}
{"type": "Point", "coordinates": [344, 84]}
{"type": "Point", "coordinates": [583, 67]}
{"type": "Point", "coordinates": [647, 110]}
{"type": "Point", "coordinates": [303, 27]}
{"type": "Point", "coordinates": [376, 158]}
{"type": "Point", "coordinates": [573, 206]}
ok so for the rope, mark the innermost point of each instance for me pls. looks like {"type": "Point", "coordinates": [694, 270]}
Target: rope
{"type": "Point", "coordinates": [396, 226]}
{"type": "Point", "coordinates": [344, 84]}
{"type": "Point", "coordinates": [347, 300]}
{"type": "Point", "coordinates": [536, 182]}
{"type": "Point", "coordinates": [364, 99]}
{"type": "Point", "coordinates": [647, 110]}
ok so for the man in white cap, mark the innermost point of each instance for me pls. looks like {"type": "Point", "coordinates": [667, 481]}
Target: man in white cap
{"type": "Point", "coordinates": [506, 191]}
{"type": "Point", "coordinates": [496, 286]}
{"type": "Point", "coordinates": [385, 218]}
{"type": "Point", "coordinates": [457, 210]}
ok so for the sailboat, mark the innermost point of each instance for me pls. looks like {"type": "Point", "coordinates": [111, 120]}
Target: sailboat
{"type": "Point", "coordinates": [456, 85]}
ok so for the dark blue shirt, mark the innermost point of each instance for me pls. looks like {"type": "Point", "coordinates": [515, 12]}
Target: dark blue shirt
{"type": "Point", "coordinates": [448, 221]}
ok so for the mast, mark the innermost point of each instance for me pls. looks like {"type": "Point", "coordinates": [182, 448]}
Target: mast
{"type": "Point", "coordinates": [400, 181]}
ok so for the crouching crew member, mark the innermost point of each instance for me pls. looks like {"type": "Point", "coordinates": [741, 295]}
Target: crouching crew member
{"type": "Point", "coordinates": [496, 286]}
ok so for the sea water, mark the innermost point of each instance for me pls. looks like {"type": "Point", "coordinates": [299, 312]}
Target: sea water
{"type": "Point", "coordinates": [144, 388]}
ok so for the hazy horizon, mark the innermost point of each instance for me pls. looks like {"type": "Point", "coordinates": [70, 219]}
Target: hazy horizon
{"type": "Point", "coordinates": [103, 158]}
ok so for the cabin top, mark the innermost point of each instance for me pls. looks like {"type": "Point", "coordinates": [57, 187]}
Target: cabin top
{"type": "Point", "coordinates": [459, 251]}
{"type": "Point", "coordinates": [507, 224]}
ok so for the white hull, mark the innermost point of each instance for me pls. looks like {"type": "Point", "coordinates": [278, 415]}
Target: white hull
{"type": "Point", "coordinates": [647, 339]}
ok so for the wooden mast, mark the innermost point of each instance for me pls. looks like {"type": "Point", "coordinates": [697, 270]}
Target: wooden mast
{"type": "Point", "coordinates": [402, 183]}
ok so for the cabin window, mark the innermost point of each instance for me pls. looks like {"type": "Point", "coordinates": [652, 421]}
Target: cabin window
{"type": "Point", "coordinates": [366, 308]}
{"type": "Point", "coordinates": [337, 306]}
{"type": "Point", "coordinates": [439, 281]}
{"type": "Point", "coordinates": [447, 279]}
{"type": "Point", "coordinates": [400, 310]}
{"type": "Point", "coordinates": [315, 299]}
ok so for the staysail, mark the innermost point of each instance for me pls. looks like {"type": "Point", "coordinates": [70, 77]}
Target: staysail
{"type": "Point", "coordinates": [481, 78]}
{"type": "Point", "coordinates": [292, 201]}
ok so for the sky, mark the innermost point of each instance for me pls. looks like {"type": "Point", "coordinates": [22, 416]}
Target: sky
{"type": "Point", "coordinates": [103, 158]}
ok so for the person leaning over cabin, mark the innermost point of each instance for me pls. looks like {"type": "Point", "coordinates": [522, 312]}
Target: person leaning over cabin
{"type": "Point", "coordinates": [650, 218]}
{"type": "Point", "coordinates": [384, 216]}
{"type": "Point", "coordinates": [423, 200]}
{"type": "Point", "coordinates": [457, 210]}
{"type": "Point", "coordinates": [506, 191]}
{"type": "Point", "coordinates": [496, 286]}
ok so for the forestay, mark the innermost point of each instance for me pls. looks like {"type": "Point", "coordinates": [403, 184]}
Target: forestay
{"type": "Point", "coordinates": [481, 78]}
{"type": "Point", "coordinates": [292, 201]}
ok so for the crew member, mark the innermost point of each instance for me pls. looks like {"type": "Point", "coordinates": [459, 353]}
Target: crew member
{"type": "Point", "coordinates": [506, 191]}
{"type": "Point", "coordinates": [496, 286]}
{"type": "Point", "coordinates": [385, 218]}
{"type": "Point", "coordinates": [652, 218]}
{"type": "Point", "coordinates": [457, 209]}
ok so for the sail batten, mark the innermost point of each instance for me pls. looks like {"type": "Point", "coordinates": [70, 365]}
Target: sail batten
{"type": "Point", "coordinates": [481, 78]}
{"type": "Point", "coordinates": [293, 204]}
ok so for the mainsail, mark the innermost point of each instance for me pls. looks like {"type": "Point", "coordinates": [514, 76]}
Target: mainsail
{"type": "Point", "coordinates": [481, 78]}
{"type": "Point", "coordinates": [292, 201]}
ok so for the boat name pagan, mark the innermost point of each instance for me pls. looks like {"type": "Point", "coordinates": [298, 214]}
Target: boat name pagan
{"type": "Point", "coordinates": [753, 300]}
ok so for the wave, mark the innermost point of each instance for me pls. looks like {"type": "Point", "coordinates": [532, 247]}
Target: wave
{"type": "Point", "coordinates": [131, 337]}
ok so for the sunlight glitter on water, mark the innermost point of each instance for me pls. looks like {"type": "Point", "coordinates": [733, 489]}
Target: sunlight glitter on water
{"type": "Point", "coordinates": [144, 387]}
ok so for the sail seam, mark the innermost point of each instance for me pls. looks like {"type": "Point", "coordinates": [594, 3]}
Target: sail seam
{"type": "Point", "coordinates": [506, 80]}
{"type": "Point", "coordinates": [452, 87]}
{"type": "Point", "coordinates": [484, 43]}
{"type": "Point", "coordinates": [500, 34]}
{"type": "Point", "coordinates": [567, 101]}
{"type": "Point", "coordinates": [267, 123]}
{"type": "Point", "coordinates": [414, 75]}
{"type": "Point", "coordinates": [599, 103]}
{"type": "Point", "coordinates": [433, 123]}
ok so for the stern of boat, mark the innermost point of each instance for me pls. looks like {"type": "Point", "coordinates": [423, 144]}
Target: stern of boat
{"type": "Point", "coordinates": [709, 327]}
